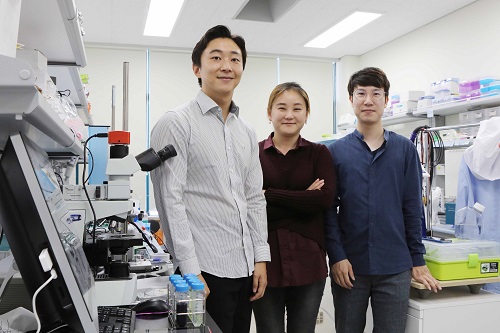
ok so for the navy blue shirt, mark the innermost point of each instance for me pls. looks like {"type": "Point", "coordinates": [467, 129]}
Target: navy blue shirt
{"type": "Point", "coordinates": [375, 221]}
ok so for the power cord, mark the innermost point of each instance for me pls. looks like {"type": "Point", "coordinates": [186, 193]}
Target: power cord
{"type": "Point", "coordinates": [84, 180]}
{"type": "Point", "coordinates": [46, 262]}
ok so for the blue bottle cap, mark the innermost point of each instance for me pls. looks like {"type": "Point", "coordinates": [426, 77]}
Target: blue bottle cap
{"type": "Point", "coordinates": [198, 286]}
{"type": "Point", "coordinates": [174, 277]}
{"type": "Point", "coordinates": [181, 287]}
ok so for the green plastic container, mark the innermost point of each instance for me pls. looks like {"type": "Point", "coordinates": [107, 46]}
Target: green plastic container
{"type": "Point", "coordinates": [462, 259]}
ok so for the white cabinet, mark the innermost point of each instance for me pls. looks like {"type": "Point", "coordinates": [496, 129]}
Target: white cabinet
{"type": "Point", "coordinates": [454, 309]}
{"type": "Point", "coordinates": [53, 28]}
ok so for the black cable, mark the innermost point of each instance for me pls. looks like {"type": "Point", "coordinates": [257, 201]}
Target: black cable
{"type": "Point", "coordinates": [92, 166]}
{"type": "Point", "coordinates": [61, 181]}
{"type": "Point", "coordinates": [65, 92]}
{"type": "Point", "coordinates": [144, 237]}
{"type": "Point", "coordinates": [94, 222]}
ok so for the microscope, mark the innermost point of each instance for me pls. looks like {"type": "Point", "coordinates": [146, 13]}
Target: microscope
{"type": "Point", "coordinates": [111, 201]}
{"type": "Point", "coordinates": [107, 207]}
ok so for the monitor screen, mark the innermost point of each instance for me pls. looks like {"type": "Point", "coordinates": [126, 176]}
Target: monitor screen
{"type": "Point", "coordinates": [34, 217]}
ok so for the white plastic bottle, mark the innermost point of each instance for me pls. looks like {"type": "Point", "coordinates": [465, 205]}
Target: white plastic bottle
{"type": "Point", "coordinates": [469, 221]}
{"type": "Point", "coordinates": [198, 310]}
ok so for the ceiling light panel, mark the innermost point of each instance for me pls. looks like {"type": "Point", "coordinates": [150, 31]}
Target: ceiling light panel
{"type": "Point", "coordinates": [162, 16]}
{"type": "Point", "coordinates": [345, 27]}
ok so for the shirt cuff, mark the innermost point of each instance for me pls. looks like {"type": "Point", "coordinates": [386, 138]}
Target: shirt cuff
{"type": "Point", "coordinates": [190, 266]}
{"type": "Point", "coordinates": [418, 260]}
{"type": "Point", "coordinates": [262, 253]}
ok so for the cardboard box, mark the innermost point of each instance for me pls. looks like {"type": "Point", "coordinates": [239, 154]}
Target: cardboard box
{"type": "Point", "coordinates": [462, 259]}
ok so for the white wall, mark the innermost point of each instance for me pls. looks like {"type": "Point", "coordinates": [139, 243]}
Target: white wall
{"type": "Point", "coordinates": [172, 83]}
{"type": "Point", "coordinates": [463, 44]}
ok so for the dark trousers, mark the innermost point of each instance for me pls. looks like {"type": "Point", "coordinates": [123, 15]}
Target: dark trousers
{"type": "Point", "coordinates": [229, 302]}
{"type": "Point", "coordinates": [389, 296]}
{"type": "Point", "coordinates": [302, 305]}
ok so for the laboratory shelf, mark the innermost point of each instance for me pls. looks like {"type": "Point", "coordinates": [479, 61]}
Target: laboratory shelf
{"type": "Point", "coordinates": [68, 78]}
{"type": "Point", "coordinates": [53, 28]}
{"type": "Point", "coordinates": [449, 108]}
{"type": "Point", "coordinates": [346, 126]}
{"type": "Point", "coordinates": [390, 120]}
{"type": "Point", "coordinates": [24, 109]}
{"type": "Point", "coordinates": [400, 119]}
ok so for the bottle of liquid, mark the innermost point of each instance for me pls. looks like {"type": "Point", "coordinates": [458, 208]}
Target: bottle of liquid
{"type": "Point", "coordinates": [171, 289]}
{"type": "Point", "coordinates": [181, 304]}
{"type": "Point", "coordinates": [198, 303]}
{"type": "Point", "coordinates": [469, 221]}
{"type": "Point", "coordinates": [190, 279]}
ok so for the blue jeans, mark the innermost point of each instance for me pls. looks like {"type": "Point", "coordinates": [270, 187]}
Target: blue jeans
{"type": "Point", "coordinates": [389, 296]}
{"type": "Point", "coordinates": [302, 306]}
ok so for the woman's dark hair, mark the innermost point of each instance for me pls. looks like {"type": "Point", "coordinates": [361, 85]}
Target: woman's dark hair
{"type": "Point", "coordinates": [219, 31]}
{"type": "Point", "coordinates": [281, 88]}
{"type": "Point", "coordinates": [369, 76]}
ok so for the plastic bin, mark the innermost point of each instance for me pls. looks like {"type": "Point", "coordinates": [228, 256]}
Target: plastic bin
{"type": "Point", "coordinates": [462, 259]}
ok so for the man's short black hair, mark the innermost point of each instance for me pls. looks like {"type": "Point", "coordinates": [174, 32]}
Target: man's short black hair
{"type": "Point", "coordinates": [369, 76]}
{"type": "Point", "coordinates": [219, 31]}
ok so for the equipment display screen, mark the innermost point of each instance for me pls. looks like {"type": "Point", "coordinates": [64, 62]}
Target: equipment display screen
{"type": "Point", "coordinates": [61, 218]}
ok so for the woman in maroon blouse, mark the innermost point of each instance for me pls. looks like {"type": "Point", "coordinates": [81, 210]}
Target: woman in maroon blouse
{"type": "Point", "coordinates": [299, 184]}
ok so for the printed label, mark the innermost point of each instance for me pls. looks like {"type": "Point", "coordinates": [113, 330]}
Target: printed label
{"type": "Point", "coordinates": [489, 267]}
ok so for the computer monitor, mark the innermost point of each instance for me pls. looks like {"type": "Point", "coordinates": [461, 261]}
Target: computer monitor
{"type": "Point", "coordinates": [34, 217]}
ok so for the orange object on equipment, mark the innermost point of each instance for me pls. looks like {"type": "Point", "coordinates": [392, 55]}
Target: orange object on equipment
{"type": "Point", "coordinates": [119, 137]}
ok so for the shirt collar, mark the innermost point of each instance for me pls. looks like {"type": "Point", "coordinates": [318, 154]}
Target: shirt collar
{"type": "Point", "coordinates": [361, 137]}
{"type": "Point", "coordinates": [206, 104]}
{"type": "Point", "coordinates": [269, 142]}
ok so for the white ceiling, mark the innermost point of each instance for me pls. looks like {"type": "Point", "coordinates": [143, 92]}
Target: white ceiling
{"type": "Point", "coordinates": [121, 23]}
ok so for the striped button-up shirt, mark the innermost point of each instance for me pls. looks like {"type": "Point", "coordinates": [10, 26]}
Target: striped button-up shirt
{"type": "Point", "coordinates": [209, 197]}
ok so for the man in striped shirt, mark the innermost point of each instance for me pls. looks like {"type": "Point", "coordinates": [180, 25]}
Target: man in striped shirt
{"type": "Point", "coordinates": [209, 197]}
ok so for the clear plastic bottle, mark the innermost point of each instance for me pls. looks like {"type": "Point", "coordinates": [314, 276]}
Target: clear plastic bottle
{"type": "Point", "coordinates": [171, 289]}
{"type": "Point", "coordinates": [190, 279]}
{"type": "Point", "coordinates": [181, 304]}
{"type": "Point", "coordinates": [198, 303]}
{"type": "Point", "coordinates": [469, 222]}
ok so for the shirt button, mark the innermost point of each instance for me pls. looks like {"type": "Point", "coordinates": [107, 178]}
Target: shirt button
{"type": "Point", "coordinates": [371, 244]}
{"type": "Point", "coordinates": [285, 261]}
{"type": "Point", "coordinates": [285, 244]}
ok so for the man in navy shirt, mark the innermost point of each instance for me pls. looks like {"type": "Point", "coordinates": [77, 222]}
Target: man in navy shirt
{"type": "Point", "coordinates": [373, 230]}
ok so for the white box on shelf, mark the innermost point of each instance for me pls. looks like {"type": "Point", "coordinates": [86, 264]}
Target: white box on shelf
{"type": "Point", "coordinates": [404, 107]}
{"type": "Point", "coordinates": [413, 95]}
{"type": "Point", "coordinates": [10, 12]}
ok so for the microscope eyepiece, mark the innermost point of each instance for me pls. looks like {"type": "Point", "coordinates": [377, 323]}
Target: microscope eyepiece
{"type": "Point", "coordinates": [149, 159]}
{"type": "Point", "coordinates": [167, 152]}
